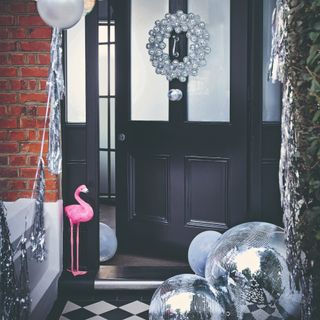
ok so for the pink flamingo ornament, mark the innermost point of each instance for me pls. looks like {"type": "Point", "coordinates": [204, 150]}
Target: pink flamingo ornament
{"type": "Point", "coordinates": [77, 213]}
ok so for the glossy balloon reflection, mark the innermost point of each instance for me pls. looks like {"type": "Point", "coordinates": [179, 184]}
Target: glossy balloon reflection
{"type": "Point", "coordinates": [62, 14]}
{"type": "Point", "coordinates": [248, 267]}
{"type": "Point", "coordinates": [199, 249]}
{"type": "Point", "coordinates": [185, 297]}
{"type": "Point", "coordinates": [108, 242]}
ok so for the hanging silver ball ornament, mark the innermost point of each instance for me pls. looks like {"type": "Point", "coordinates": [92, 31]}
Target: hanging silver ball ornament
{"type": "Point", "coordinates": [175, 95]}
{"type": "Point", "coordinates": [62, 14]}
{"type": "Point", "coordinates": [248, 267]}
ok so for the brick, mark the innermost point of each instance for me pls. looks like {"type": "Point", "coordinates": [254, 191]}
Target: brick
{"type": "Point", "coordinates": [8, 72]}
{"type": "Point", "coordinates": [3, 134]}
{"type": "Point", "coordinates": [16, 185]}
{"type": "Point", "coordinates": [3, 59]}
{"type": "Point", "coordinates": [3, 161]}
{"type": "Point", "coordinates": [46, 135]}
{"type": "Point", "coordinates": [40, 33]}
{"type": "Point", "coordinates": [6, 20]}
{"type": "Point", "coordinates": [17, 33]}
{"type": "Point", "coordinates": [27, 123]}
{"type": "Point", "coordinates": [51, 196]}
{"type": "Point", "coordinates": [32, 59]}
{"type": "Point", "coordinates": [31, 21]}
{"type": "Point", "coordinates": [9, 147]}
{"type": "Point", "coordinates": [44, 59]}
{"type": "Point", "coordinates": [43, 84]}
{"type": "Point", "coordinates": [8, 98]}
{"type": "Point", "coordinates": [17, 160]}
{"type": "Point", "coordinates": [33, 97]}
{"type": "Point", "coordinates": [17, 135]}
{"type": "Point", "coordinates": [8, 123]}
{"type": "Point", "coordinates": [7, 46]}
{"type": "Point", "coordinates": [8, 172]}
{"type": "Point", "coordinates": [30, 111]}
{"type": "Point", "coordinates": [51, 184]}
{"type": "Point", "coordinates": [33, 160]}
{"type": "Point", "coordinates": [31, 7]}
{"type": "Point", "coordinates": [27, 172]}
{"type": "Point", "coordinates": [36, 46]}
{"type": "Point", "coordinates": [15, 110]}
{"type": "Point", "coordinates": [41, 111]}
{"type": "Point", "coordinates": [17, 7]}
{"type": "Point", "coordinates": [34, 72]}
{"type": "Point", "coordinates": [14, 195]}
{"type": "Point", "coordinates": [32, 135]}
{"type": "Point", "coordinates": [16, 84]}
{"type": "Point", "coordinates": [3, 110]}
{"type": "Point", "coordinates": [32, 84]}
{"type": "Point", "coordinates": [3, 7]}
{"type": "Point", "coordinates": [4, 33]}
{"type": "Point", "coordinates": [32, 147]}
{"type": "Point", "coordinates": [4, 85]}
{"type": "Point", "coordinates": [17, 58]}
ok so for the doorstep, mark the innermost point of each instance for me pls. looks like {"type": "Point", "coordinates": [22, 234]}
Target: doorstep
{"type": "Point", "coordinates": [134, 277]}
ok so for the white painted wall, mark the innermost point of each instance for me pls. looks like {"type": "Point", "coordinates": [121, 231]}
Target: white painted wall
{"type": "Point", "coordinates": [43, 276]}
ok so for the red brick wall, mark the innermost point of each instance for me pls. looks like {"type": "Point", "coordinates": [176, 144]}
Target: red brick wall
{"type": "Point", "coordinates": [24, 62]}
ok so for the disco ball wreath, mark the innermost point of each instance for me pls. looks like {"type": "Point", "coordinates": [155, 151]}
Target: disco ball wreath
{"type": "Point", "coordinates": [173, 25]}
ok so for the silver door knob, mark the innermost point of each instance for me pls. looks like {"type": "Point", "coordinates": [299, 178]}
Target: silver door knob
{"type": "Point", "coordinates": [121, 137]}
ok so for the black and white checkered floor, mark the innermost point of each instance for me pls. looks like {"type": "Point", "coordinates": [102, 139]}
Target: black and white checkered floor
{"type": "Point", "coordinates": [101, 310]}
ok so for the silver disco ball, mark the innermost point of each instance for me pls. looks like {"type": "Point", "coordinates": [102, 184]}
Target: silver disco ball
{"type": "Point", "coordinates": [185, 297]}
{"type": "Point", "coordinates": [248, 267]}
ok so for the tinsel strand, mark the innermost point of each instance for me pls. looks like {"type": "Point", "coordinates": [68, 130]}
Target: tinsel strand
{"type": "Point", "coordinates": [56, 84]}
{"type": "Point", "coordinates": [37, 237]}
{"type": "Point", "coordinates": [7, 273]}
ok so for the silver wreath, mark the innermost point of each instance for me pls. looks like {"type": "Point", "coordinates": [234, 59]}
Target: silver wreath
{"type": "Point", "coordinates": [198, 48]}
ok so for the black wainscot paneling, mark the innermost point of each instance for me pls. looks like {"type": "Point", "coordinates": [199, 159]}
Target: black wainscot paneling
{"type": "Point", "coordinates": [206, 192]}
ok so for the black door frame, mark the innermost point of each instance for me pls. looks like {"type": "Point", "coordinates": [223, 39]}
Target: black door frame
{"type": "Point", "coordinates": [87, 159]}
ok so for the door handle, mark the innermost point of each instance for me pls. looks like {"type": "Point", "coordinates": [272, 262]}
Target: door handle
{"type": "Point", "coordinates": [121, 137]}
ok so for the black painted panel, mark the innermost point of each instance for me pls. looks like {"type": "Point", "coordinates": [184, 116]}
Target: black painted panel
{"type": "Point", "coordinates": [206, 191]}
{"type": "Point", "coordinates": [75, 142]}
{"type": "Point", "coordinates": [271, 141]}
{"type": "Point", "coordinates": [149, 175]}
{"type": "Point", "coordinates": [75, 175]}
{"type": "Point", "coordinates": [271, 209]}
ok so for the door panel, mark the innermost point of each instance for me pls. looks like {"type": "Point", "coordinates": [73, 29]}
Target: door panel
{"type": "Point", "coordinates": [178, 178]}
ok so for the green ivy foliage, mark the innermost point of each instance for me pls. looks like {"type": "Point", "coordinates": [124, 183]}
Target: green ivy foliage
{"type": "Point", "coordinates": [306, 75]}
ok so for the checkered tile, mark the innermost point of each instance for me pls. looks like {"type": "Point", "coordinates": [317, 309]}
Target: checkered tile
{"type": "Point", "coordinates": [101, 310]}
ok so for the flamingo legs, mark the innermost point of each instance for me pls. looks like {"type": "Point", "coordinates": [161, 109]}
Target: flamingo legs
{"type": "Point", "coordinates": [75, 272]}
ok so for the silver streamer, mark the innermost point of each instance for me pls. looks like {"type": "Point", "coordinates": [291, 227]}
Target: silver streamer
{"type": "Point", "coordinates": [38, 232]}
{"type": "Point", "coordinates": [23, 285]}
{"type": "Point", "coordinates": [7, 275]}
{"type": "Point", "coordinates": [56, 93]}
{"type": "Point", "coordinates": [278, 48]}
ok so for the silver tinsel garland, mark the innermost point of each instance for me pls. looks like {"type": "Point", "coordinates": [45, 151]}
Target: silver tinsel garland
{"type": "Point", "coordinates": [7, 273]}
{"type": "Point", "coordinates": [23, 298]}
{"type": "Point", "coordinates": [56, 93]}
{"type": "Point", "coordinates": [38, 232]}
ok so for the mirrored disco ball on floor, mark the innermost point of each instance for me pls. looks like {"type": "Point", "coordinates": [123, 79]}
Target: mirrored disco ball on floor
{"type": "Point", "coordinates": [185, 297]}
{"type": "Point", "coordinates": [108, 242]}
{"type": "Point", "coordinates": [248, 267]}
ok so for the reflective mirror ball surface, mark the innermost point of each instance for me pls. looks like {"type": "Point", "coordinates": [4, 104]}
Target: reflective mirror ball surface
{"type": "Point", "coordinates": [185, 297]}
{"type": "Point", "coordinates": [248, 267]}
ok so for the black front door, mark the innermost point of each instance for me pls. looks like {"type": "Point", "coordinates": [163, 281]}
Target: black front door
{"type": "Point", "coordinates": [178, 177]}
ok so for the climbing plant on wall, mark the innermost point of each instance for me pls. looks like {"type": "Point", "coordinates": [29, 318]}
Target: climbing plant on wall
{"type": "Point", "coordinates": [296, 62]}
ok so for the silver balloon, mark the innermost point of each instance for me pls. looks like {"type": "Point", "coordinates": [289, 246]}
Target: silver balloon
{"type": "Point", "coordinates": [108, 242]}
{"type": "Point", "coordinates": [199, 249]}
{"type": "Point", "coordinates": [185, 297]}
{"type": "Point", "coordinates": [248, 267]}
{"type": "Point", "coordinates": [62, 14]}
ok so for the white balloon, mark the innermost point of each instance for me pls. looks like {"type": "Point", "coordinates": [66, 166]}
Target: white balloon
{"type": "Point", "coordinates": [62, 14]}
{"type": "Point", "coordinates": [108, 242]}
